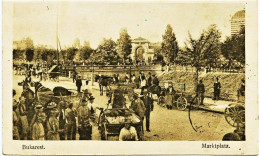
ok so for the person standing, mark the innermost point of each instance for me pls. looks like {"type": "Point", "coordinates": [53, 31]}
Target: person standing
{"type": "Point", "coordinates": [169, 97]}
{"type": "Point", "coordinates": [16, 135]}
{"type": "Point", "coordinates": [53, 126]}
{"type": "Point", "coordinates": [148, 102]}
{"type": "Point", "coordinates": [155, 80]}
{"type": "Point", "coordinates": [71, 114]}
{"type": "Point", "coordinates": [217, 87]}
{"type": "Point", "coordinates": [138, 106]}
{"type": "Point", "coordinates": [74, 76]}
{"type": "Point", "coordinates": [84, 127]}
{"type": "Point", "coordinates": [38, 132]}
{"type": "Point", "coordinates": [79, 84]}
{"type": "Point", "coordinates": [23, 118]}
{"type": "Point", "coordinates": [62, 119]}
{"type": "Point", "coordinates": [149, 80]}
{"type": "Point", "coordinates": [143, 84]}
{"type": "Point", "coordinates": [200, 92]}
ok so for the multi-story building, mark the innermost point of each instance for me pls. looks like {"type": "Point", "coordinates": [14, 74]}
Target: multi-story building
{"type": "Point", "coordinates": [237, 22]}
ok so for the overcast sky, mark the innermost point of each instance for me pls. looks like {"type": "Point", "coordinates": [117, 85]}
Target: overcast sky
{"type": "Point", "coordinates": [92, 21]}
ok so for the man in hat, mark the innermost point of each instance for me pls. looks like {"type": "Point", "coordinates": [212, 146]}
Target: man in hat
{"type": "Point", "coordinates": [62, 118]}
{"type": "Point", "coordinates": [138, 106]}
{"type": "Point", "coordinates": [71, 115]}
{"type": "Point", "coordinates": [155, 80]}
{"type": "Point", "coordinates": [23, 118]}
{"type": "Point", "coordinates": [16, 135]}
{"type": "Point", "coordinates": [84, 127]}
{"type": "Point", "coordinates": [38, 132]}
{"type": "Point", "coordinates": [200, 92]}
{"type": "Point", "coordinates": [148, 102]}
{"type": "Point", "coordinates": [92, 107]}
{"type": "Point", "coordinates": [149, 80]}
{"type": "Point", "coordinates": [217, 87]}
{"type": "Point", "coordinates": [79, 84]}
{"type": "Point", "coordinates": [128, 132]}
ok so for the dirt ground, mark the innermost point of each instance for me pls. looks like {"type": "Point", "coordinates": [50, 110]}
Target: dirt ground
{"type": "Point", "coordinates": [165, 125]}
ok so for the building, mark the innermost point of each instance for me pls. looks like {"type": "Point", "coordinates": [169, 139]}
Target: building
{"type": "Point", "coordinates": [237, 22]}
{"type": "Point", "coordinates": [141, 50]}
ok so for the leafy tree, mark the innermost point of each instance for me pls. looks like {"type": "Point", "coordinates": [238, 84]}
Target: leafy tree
{"type": "Point", "coordinates": [29, 54]}
{"type": "Point", "coordinates": [233, 48]}
{"type": "Point", "coordinates": [169, 45]}
{"type": "Point", "coordinates": [77, 43]}
{"type": "Point", "coordinates": [18, 54]}
{"type": "Point", "coordinates": [86, 51]}
{"type": "Point", "coordinates": [124, 46]}
{"type": "Point", "coordinates": [203, 51]}
{"type": "Point", "coordinates": [70, 53]}
{"type": "Point", "coordinates": [107, 51]}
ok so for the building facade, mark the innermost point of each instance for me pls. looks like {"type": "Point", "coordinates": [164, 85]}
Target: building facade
{"type": "Point", "coordinates": [141, 51]}
{"type": "Point", "coordinates": [237, 22]}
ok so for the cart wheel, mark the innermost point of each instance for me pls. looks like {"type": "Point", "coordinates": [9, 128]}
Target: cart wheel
{"type": "Point", "coordinates": [161, 101]}
{"type": "Point", "coordinates": [235, 116]}
{"type": "Point", "coordinates": [182, 103]}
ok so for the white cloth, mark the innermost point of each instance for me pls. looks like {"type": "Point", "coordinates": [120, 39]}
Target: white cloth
{"type": "Point", "coordinates": [143, 82]}
{"type": "Point", "coordinates": [127, 135]}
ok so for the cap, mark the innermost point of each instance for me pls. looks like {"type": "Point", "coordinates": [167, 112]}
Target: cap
{"type": "Point", "coordinates": [127, 120]}
{"type": "Point", "coordinates": [51, 105]}
{"type": "Point", "coordinates": [91, 98]}
{"type": "Point", "coordinates": [38, 106]}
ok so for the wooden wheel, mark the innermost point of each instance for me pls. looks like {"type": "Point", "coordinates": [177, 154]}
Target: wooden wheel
{"type": "Point", "coordinates": [235, 116]}
{"type": "Point", "coordinates": [161, 101]}
{"type": "Point", "coordinates": [182, 103]}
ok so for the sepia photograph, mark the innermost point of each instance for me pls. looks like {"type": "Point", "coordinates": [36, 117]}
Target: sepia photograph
{"type": "Point", "coordinates": [129, 71]}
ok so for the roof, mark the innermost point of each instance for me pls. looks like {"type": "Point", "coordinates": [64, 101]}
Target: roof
{"type": "Point", "coordinates": [238, 15]}
{"type": "Point", "coordinates": [140, 39]}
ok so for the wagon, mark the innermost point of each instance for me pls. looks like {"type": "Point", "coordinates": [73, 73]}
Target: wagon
{"type": "Point", "coordinates": [111, 121]}
{"type": "Point", "coordinates": [180, 97]}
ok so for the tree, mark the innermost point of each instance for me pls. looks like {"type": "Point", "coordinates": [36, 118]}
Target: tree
{"type": "Point", "coordinates": [77, 43]}
{"type": "Point", "coordinates": [29, 54]}
{"type": "Point", "coordinates": [203, 51]}
{"type": "Point", "coordinates": [233, 48]}
{"type": "Point", "coordinates": [86, 51]}
{"type": "Point", "coordinates": [70, 53]}
{"type": "Point", "coordinates": [124, 45]}
{"type": "Point", "coordinates": [169, 45]}
{"type": "Point", "coordinates": [107, 51]}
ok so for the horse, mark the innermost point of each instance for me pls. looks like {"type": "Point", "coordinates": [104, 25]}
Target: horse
{"type": "Point", "coordinates": [104, 81]}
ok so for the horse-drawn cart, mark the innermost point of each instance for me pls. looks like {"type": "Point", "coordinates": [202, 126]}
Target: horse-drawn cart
{"type": "Point", "coordinates": [180, 97]}
{"type": "Point", "coordinates": [111, 121]}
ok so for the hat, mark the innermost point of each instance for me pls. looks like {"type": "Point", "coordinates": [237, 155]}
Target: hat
{"type": "Point", "coordinates": [91, 98]}
{"type": "Point", "coordinates": [15, 103]}
{"type": "Point", "coordinates": [51, 105]}
{"type": "Point", "coordinates": [83, 100]}
{"type": "Point", "coordinates": [38, 106]}
{"type": "Point", "coordinates": [128, 120]}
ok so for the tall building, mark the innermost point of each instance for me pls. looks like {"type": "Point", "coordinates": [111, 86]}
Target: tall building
{"type": "Point", "coordinates": [237, 22]}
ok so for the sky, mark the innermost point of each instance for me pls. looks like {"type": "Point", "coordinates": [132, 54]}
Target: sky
{"type": "Point", "coordinates": [93, 21]}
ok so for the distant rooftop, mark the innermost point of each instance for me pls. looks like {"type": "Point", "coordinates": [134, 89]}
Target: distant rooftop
{"type": "Point", "coordinates": [238, 15]}
{"type": "Point", "coordinates": [140, 39]}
